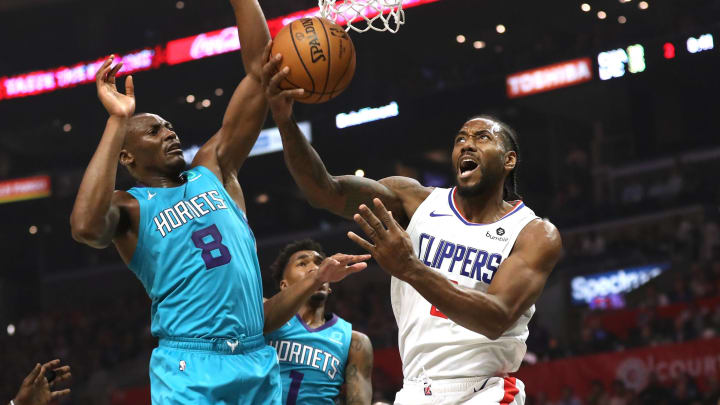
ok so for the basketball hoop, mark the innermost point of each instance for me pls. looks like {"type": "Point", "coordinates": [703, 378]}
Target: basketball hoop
{"type": "Point", "coordinates": [378, 15]}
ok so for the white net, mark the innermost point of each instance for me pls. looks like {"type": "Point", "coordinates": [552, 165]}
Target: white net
{"type": "Point", "coordinates": [365, 15]}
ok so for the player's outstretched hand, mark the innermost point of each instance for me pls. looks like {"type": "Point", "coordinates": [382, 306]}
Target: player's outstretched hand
{"type": "Point", "coordinates": [281, 101]}
{"type": "Point", "coordinates": [116, 103]}
{"type": "Point", "coordinates": [391, 245]}
{"type": "Point", "coordinates": [35, 388]}
{"type": "Point", "coordinates": [339, 266]}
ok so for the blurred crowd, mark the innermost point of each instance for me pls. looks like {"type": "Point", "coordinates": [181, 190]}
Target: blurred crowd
{"type": "Point", "coordinates": [682, 391]}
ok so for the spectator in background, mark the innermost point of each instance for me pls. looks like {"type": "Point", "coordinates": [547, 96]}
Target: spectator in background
{"type": "Point", "coordinates": [593, 244]}
{"type": "Point", "coordinates": [654, 393]}
{"type": "Point", "coordinates": [620, 395]}
{"type": "Point", "coordinates": [653, 298]}
{"type": "Point", "coordinates": [685, 391]}
{"type": "Point", "coordinates": [36, 389]}
{"type": "Point", "coordinates": [597, 395]}
{"type": "Point", "coordinates": [569, 397]}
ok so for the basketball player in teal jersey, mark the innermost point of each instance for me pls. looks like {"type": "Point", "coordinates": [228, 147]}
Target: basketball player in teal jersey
{"type": "Point", "coordinates": [318, 352]}
{"type": "Point", "coordinates": [185, 236]}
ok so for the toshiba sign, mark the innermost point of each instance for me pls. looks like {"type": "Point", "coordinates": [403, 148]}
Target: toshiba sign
{"type": "Point", "coordinates": [549, 77]}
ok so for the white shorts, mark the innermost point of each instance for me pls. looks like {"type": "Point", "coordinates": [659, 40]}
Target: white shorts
{"type": "Point", "coordinates": [468, 391]}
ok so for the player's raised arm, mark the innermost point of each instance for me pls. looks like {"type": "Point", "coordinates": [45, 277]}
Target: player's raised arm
{"type": "Point", "coordinates": [358, 372]}
{"type": "Point", "coordinates": [247, 109]}
{"type": "Point", "coordinates": [339, 194]}
{"type": "Point", "coordinates": [517, 285]}
{"type": "Point", "coordinates": [283, 305]}
{"type": "Point", "coordinates": [95, 216]}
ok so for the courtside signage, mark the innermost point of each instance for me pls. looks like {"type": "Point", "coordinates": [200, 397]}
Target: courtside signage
{"type": "Point", "coordinates": [549, 78]}
{"type": "Point", "coordinates": [24, 189]}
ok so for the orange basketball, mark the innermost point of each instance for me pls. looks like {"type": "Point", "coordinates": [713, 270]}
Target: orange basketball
{"type": "Point", "coordinates": [321, 57]}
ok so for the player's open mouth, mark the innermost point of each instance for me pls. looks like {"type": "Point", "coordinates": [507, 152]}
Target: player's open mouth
{"type": "Point", "coordinates": [466, 167]}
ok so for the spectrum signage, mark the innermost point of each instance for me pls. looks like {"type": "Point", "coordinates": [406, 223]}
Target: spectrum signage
{"type": "Point", "coordinates": [588, 288]}
{"type": "Point", "coordinates": [174, 52]}
{"type": "Point", "coordinates": [548, 78]}
{"type": "Point", "coordinates": [27, 188]}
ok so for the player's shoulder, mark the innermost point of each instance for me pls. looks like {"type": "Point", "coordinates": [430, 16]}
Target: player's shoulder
{"type": "Point", "coordinates": [542, 237]}
{"type": "Point", "coordinates": [408, 190]}
{"type": "Point", "coordinates": [360, 342]}
{"type": "Point", "coordinates": [125, 200]}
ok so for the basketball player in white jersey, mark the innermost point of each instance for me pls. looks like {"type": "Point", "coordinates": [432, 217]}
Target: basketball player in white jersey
{"type": "Point", "coordinates": [467, 271]}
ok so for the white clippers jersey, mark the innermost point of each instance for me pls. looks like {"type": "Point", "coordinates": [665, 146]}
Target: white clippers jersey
{"type": "Point", "coordinates": [467, 254]}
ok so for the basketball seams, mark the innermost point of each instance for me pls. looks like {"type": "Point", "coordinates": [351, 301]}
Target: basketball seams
{"type": "Point", "coordinates": [347, 66]}
{"type": "Point", "coordinates": [292, 37]}
{"type": "Point", "coordinates": [329, 58]}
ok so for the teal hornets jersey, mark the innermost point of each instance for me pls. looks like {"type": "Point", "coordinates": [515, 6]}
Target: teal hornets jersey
{"type": "Point", "coordinates": [197, 259]}
{"type": "Point", "coordinates": [312, 361]}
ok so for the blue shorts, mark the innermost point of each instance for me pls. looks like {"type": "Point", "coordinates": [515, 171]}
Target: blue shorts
{"type": "Point", "coordinates": [217, 371]}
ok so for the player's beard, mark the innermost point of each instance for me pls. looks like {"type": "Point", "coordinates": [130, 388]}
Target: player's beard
{"type": "Point", "coordinates": [319, 297]}
{"type": "Point", "coordinates": [489, 177]}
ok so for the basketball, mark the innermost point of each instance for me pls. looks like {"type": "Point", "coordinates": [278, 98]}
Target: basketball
{"type": "Point", "coordinates": [321, 57]}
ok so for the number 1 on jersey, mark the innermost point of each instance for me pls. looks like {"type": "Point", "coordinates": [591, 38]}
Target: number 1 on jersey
{"type": "Point", "coordinates": [294, 389]}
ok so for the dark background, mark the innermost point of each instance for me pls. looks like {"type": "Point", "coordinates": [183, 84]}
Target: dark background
{"type": "Point", "coordinates": [586, 151]}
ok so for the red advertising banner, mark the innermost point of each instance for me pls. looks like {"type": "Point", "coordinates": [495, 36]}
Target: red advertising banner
{"type": "Point", "coordinates": [548, 78]}
{"type": "Point", "coordinates": [24, 189]}
{"type": "Point", "coordinates": [68, 76]}
{"type": "Point", "coordinates": [699, 359]}
{"type": "Point", "coordinates": [174, 52]}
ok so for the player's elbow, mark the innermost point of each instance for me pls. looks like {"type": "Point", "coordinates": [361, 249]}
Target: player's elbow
{"type": "Point", "coordinates": [501, 323]}
{"type": "Point", "coordinates": [85, 233]}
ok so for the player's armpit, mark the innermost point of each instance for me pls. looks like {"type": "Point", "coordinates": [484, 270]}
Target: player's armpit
{"type": "Point", "coordinates": [100, 235]}
{"type": "Point", "coordinates": [358, 372]}
{"type": "Point", "coordinates": [521, 278]}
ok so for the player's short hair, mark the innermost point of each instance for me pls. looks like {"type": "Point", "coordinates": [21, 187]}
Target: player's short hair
{"type": "Point", "coordinates": [510, 139]}
{"type": "Point", "coordinates": [277, 268]}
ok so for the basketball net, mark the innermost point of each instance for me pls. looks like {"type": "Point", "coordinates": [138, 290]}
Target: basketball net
{"type": "Point", "coordinates": [364, 15]}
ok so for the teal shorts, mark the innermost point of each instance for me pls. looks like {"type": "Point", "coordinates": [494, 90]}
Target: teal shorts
{"type": "Point", "coordinates": [217, 371]}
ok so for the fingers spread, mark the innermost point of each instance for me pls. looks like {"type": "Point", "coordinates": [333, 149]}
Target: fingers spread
{"type": "Point", "coordinates": [294, 93]}
{"type": "Point", "coordinates": [277, 79]}
{"type": "Point", "coordinates": [356, 267]}
{"type": "Point", "coordinates": [361, 242]}
{"type": "Point", "coordinates": [372, 220]}
{"type": "Point", "coordinates": [100, 74]}
{"type": "Point", "coordinates": [113, 72]}
{"type": "Point", "coordinates": [346, 259]}
{"type": "Point", "coordinates": [33, 375]}
{"type": "Point", "coordinates": [383, 213]}
{"type": "Point", "coordinates": [58, 394]}
{"type": "Point", "coordinates": [369, 231]}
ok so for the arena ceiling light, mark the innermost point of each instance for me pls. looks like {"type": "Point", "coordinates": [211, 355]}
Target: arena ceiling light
{"type": "Point", "coordinates": [585, 7]}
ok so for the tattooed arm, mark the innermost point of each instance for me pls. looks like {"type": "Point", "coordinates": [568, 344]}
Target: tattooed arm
{"type": "Point", "coordinates": [341, 195]}
{"type": "Point", "coordinates": [358, 372]}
